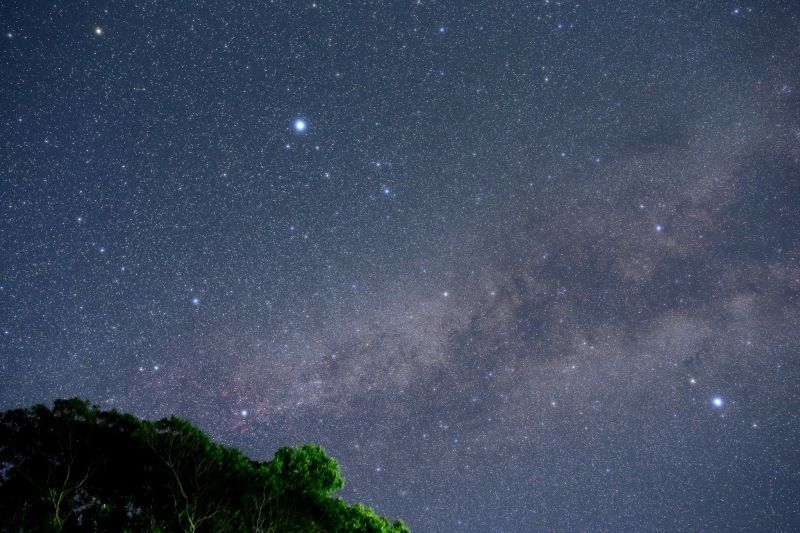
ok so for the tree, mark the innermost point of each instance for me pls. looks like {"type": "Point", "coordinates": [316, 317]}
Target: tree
{"type": "Point", "coordinates": [75, 467]}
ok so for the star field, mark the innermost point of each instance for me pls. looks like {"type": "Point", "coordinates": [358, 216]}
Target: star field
{"type": "Point", "coordinates": [517, 266]}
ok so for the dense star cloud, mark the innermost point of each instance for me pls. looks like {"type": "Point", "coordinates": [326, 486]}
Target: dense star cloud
{"type": "Point", "coordinates": [517, 266]}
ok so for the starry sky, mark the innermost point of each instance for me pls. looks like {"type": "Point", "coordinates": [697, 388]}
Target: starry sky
{"type": "Point", "coordinates": [516, 265]}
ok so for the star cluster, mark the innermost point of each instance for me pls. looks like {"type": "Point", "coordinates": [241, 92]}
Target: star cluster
{"type": "Point", "coordinates": [516, 265]}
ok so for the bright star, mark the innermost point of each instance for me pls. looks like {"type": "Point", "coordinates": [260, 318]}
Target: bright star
{"type": "Point", "coordinates": [717, 402]}
{"type": "Point", "coordinates": [243, 412]}
{"type": "Point", "coordinates": [659, 228]}
{"type": "Point", "coordinates": [98, 31]}
{"type": "Point", "coordinates": [196, 301]}
{"type": "Point", "coordinates": [300, 125]}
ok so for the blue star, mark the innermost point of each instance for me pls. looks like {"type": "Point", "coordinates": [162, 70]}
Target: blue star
{"type": "Point", "coordinates": [300, 125]}
{"type": "Point", "coordinates": [195, 301]}
{"type": "Point", "coordinates": [718, 402]}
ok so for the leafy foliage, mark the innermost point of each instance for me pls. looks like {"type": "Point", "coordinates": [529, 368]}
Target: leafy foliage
{"type": "Point", "coordinates": [75, 467]}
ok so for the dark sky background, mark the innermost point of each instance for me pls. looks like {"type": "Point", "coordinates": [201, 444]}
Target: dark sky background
{"type": "Point", "coordinates": [516, 265]}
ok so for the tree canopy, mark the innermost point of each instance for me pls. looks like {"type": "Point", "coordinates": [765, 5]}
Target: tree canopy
{"type": "Point", "coordinates": [75, 467]}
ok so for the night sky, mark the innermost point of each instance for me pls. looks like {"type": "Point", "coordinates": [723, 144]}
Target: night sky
{"type": "Point", "coordinates": [516, 265]}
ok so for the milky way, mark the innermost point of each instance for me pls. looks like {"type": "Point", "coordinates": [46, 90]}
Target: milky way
{"type": "Point", "coordinates": [517, 266]}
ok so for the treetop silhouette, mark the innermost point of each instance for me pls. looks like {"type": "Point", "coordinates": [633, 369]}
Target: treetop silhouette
{"type": "Point", "coordinates": [75, 467]}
